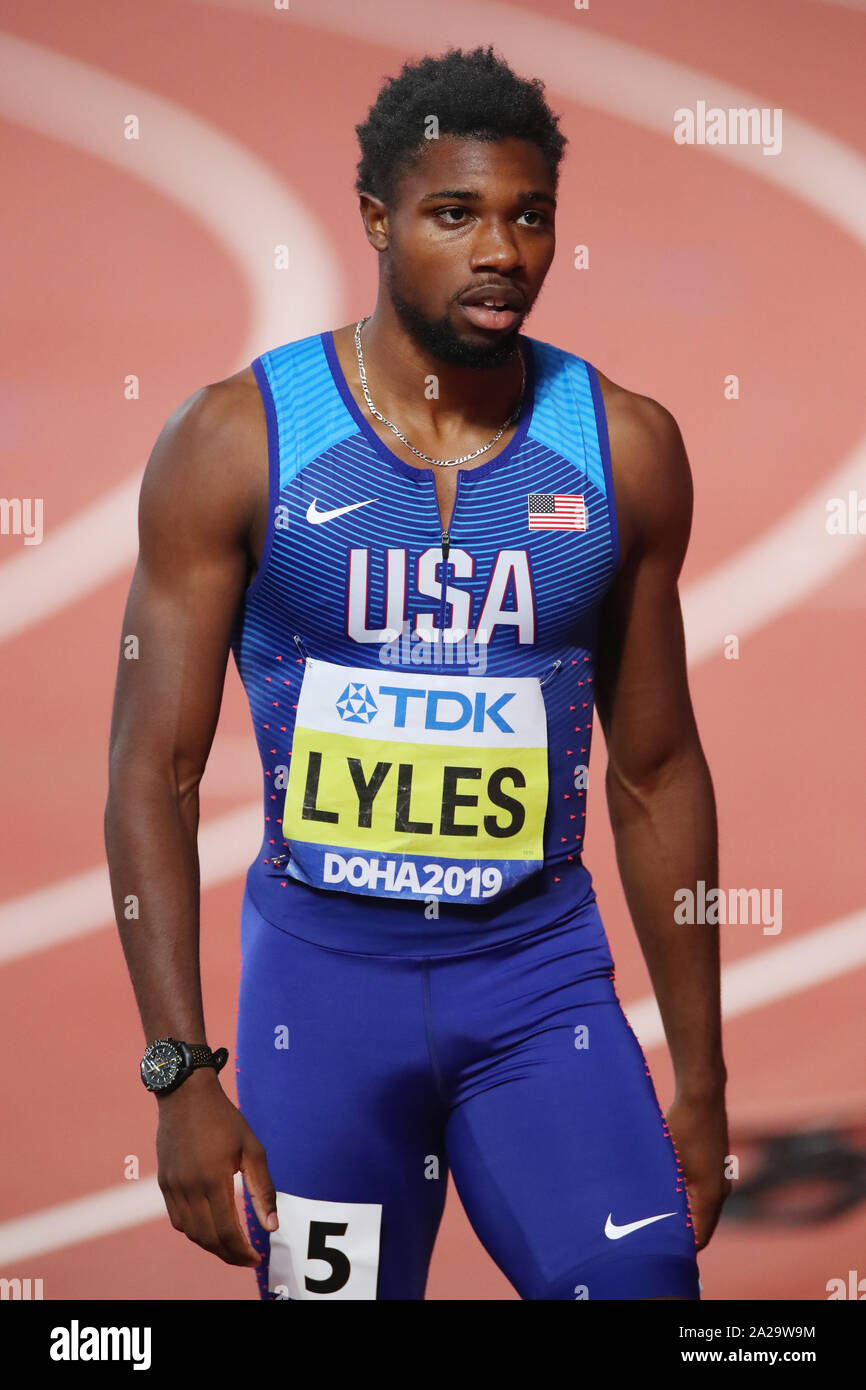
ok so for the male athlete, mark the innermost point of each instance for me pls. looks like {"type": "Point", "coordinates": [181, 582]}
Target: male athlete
{"type": "Point", "coordinates": [434, 545]}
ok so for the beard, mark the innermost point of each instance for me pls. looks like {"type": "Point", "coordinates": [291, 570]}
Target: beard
{"type": "Point", "coordinates": [439, 339]}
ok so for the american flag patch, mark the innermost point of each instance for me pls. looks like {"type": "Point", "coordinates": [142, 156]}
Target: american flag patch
{"type": "Point", "coordinates": [554, 511]}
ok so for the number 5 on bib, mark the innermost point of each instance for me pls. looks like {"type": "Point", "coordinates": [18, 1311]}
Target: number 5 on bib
{"type": "Point", "coordinates": [325, 1249]}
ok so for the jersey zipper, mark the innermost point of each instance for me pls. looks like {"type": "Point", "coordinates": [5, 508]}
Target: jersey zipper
{"type": "Point", "coordinates": [446, 550]}
{"type": "Point", "coordinates": [439, 638]}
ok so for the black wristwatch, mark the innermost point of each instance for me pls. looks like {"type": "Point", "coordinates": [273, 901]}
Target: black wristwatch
{"type": "Point", "coordinates": [167, 1063]}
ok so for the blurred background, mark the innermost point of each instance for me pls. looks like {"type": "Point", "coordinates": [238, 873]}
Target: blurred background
{"type": "Point", "coordinates": [155, 158]}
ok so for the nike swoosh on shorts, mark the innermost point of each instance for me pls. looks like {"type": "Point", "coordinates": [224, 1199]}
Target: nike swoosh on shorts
{"type": "Point", "coordinates": [617, 1232]}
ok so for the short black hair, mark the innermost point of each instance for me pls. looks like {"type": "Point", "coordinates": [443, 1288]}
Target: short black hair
{"type": "Point", "coordinates": [474, 94]}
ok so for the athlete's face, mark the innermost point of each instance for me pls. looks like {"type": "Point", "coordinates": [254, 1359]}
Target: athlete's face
{"type": "Point", "coordinates": [469, 214]}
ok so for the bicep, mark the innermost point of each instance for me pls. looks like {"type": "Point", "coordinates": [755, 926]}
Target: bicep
{"type": "Point", "coordinates": [188, 582]}
{"type": "Point", "coordinates": [642, 693]}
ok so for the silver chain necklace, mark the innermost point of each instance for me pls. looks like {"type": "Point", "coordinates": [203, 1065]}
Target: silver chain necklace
{"type": "Point", "coordinates": [440, 463]}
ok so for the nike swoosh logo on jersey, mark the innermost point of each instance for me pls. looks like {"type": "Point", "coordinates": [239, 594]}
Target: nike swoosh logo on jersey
{"type": "Point", "coordinates": [317, 518]}
{"type": "Point", "coordinates": [617, 1232]}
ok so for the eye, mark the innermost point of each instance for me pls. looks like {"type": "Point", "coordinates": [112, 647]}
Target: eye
{"type": "Point", "coordinates": [461, 213]}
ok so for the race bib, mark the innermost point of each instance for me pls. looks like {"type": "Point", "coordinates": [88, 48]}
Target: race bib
{"type": "Point", "coordinates": [408, 784]}
{"type": "Point", "coordinates": [324, 1249]}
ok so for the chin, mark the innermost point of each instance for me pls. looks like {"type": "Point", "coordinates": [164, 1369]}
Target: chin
{"type": "Point", "coordinates": [486, 355]}
{"type": "Point", "coordinates": [466, 350]}
{"type": "Point", "coordinates": [449, 341]}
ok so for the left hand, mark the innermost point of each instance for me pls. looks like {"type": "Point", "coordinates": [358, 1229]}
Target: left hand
{"type": "Point", "coordinates": [699, 1128]}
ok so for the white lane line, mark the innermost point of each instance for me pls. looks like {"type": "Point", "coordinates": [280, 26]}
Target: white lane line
{"type": "Point", "coordinates": [84, 1218]}
{"type": "Point", "coordinates": [775, 973]}
{"type": "Point", "coordinates": [241, 203]}
{"type": "Point", "coordinates": [82, 903]}
{"type": "Point", "coordinates": [780, 970]}
{"type": "Point", "coordinates": [40, 579]}
{"type": "Point", "coordinates": [764, 580]}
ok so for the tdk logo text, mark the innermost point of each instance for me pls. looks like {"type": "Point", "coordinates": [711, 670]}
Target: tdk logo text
{"type": "Point", "coordinates": [448, 710]}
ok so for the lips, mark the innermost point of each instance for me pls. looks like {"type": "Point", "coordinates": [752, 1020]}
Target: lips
{"type": "Point", "coordinates": [506, 295]}
{"type": "Point", "coordinates": [492, 306]}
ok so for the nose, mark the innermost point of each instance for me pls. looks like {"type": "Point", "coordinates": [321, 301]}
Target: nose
{"type": "Point", "coordinates": [495, 245]}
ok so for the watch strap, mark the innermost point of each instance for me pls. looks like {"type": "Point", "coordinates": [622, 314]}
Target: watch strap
{"type": "Point", "coordinates": [200, 1055]}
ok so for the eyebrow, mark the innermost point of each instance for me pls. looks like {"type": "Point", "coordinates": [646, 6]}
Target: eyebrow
{"type": "Point", "coordinates": [469, 195]}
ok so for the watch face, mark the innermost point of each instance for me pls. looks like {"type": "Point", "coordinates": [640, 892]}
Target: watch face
{"type": "Point", "coordinates": [160, 1065]}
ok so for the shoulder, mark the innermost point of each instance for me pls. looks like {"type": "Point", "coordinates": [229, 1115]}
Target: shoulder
{"type": "Point", "coordinates": [639, 425]}
{"type": "Point", "coordinates": [651, 474]}
{"type": "Point", "coordinates": [222, 412]}
{"type": "Point", "coordinates": [212, 453]}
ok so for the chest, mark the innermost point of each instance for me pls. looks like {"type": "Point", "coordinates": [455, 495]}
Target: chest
{"type": "Point", "coordinates": [513, 567]}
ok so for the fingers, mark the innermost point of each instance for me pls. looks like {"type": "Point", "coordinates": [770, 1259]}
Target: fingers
{"type": "Point", "coordinates": [208, 1216]}
{"type": "Point", "coordinates": [254, 1166]}
{"type": "Point", "coordinates": [706, 1212]}
{"type": "Point", "coordinates": [234, 1244]}
{"type": "Point", "coordinates": [171, 1206]}
{"type": "Point", "coordinates": [703, 1224]}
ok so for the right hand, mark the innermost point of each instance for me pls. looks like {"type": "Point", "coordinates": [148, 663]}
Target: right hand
{"type": "Point", "coordinates": [201, 1142]}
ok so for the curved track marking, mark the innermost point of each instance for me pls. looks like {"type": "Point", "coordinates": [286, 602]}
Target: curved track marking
{"type": "Point", "coordinates": [627, 82]}
{"type": "Point", "coordinates": [74, 558]}
{"type": "Point", "coordinates": [192, 163]}
{"type": "Point", "coordinates": [585, 66]}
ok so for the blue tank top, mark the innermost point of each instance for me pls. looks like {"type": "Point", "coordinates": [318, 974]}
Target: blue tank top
{"type": "Point", "coordinates": [423, 701]}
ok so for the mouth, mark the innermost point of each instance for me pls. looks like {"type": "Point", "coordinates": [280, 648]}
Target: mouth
{"type": "Point", "coordinates": [493, 309]}
{"type": "Point", "coordinates": [497, 320]}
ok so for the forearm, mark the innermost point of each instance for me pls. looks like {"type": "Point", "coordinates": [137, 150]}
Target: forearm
{"type": "Point", "coordinates": [151, 842]}
{"type": "Point", "coordinates": [666, 840]}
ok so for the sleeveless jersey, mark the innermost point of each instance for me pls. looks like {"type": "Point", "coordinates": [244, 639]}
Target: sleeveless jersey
{"type": "Point", "coordinates": [423, 701]}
